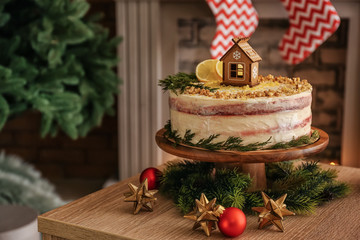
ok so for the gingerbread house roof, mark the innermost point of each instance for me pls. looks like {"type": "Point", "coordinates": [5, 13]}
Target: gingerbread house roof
{"type": "Point", "coordinates": [245, 46]}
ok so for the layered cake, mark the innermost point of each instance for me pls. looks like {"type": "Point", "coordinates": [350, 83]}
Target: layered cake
{"type": "Point", "coordinates": [229, 99]}
{"type": "Point", "coordinates": [278, 109]}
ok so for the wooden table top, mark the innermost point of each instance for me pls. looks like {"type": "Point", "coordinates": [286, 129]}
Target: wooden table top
{"type": "Point", "coordinates": [105, 215]}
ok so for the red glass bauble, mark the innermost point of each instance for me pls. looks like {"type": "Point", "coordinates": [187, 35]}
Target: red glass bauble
{"type": "Point", "coordinates": [153, 175]}
{"type": "Point", "coordinates": [232, 222]}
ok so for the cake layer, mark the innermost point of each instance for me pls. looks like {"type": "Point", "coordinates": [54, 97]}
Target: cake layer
{"type": "Point", "coordinates": [200, 105]}
{"type": "Point", "coordinates": [280, 127]}
{"type": "Point", "coordinates": [278, 109]}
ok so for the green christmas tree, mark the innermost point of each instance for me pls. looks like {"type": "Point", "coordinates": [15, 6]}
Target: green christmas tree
{"type": "Point", "coordinates": [55, 61]}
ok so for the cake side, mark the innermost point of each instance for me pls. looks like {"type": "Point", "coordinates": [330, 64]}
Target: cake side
{"type": "Point", "coordinates": [278, 109]}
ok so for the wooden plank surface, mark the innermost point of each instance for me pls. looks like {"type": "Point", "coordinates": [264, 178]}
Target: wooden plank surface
{"type": "Point", "coordinates": [104, 215]}
{"type": "Point", "coordinates": [49, 237]}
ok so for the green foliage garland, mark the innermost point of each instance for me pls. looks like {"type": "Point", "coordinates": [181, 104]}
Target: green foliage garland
{"type": "Point", "coordinates": [54, 61]}
{"type": "Point", "coordinates": [307, 185]}
{"type": "Point", "coordinates": [232, 143]}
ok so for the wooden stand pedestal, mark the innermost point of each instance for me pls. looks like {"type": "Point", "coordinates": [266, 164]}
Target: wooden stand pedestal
{"type": "Point", "coordinates": [252, 162]}
{"type": "Point", "coordinates": [258, 175]}
{"type": "Point", "coordinates": [255, 170]}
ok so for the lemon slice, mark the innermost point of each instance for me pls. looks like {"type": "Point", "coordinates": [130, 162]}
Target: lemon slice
{"type": "Point", "coordinates": [206, 71]}
{"type": "Point", "coordinates": [219, 68]}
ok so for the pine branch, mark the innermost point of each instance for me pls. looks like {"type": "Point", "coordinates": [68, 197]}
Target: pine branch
{"type": "Point", "coordinates": [279, 170]}
{"type": "Point", "coordinates": [303, 140]}
{"type": "Point", "coordinates": [301, 204]}
{"type": "Point", "coordinates": [234, 199]}
{"type": "Point", "coordinates": [172, 134]}
{"type": "Point", "coordinates": [188, 136]}
{"type": "Point", "coordinates": [207, 143]}
{"type": "Point", "coordinates": [308, 166]}
{"type": "Point", "coordinates": [56, 62]}
{"type": "Point", "coordinates": [334, 190]}
{"type": "Point", "coordinates": [307, 185]}
{"type": "Point", "coordinates": [231, 143]}
{"type": "Point", "coordinates": [289, 182]}
{"type": "Point", "coordinates": [252, 199]}
{"type": "Point", "coordinates": [180, 82]}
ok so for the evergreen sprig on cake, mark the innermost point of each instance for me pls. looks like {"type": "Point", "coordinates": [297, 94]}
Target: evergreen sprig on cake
{"type": "Point", "coordinates": [182, 81]}
{"type": "Point", "coordinates": [233, 143]}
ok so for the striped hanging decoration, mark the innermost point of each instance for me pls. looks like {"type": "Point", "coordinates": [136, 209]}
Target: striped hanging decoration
{"type": "Point", "coordinates": [312, 22]}
{"type": "Point", "coordinates": [234, 18]}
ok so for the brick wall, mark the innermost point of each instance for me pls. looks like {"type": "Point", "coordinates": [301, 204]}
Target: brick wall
{"type": "Point", "coordinates": [92, 157]}
{"type": "Point", "coordinates": [107, 9]}
{"type": "Point", "coordinates": [324, 69]}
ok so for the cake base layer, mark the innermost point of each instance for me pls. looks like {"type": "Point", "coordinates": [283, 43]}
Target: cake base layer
{"type": "Point", "coordinates": [280, 128]}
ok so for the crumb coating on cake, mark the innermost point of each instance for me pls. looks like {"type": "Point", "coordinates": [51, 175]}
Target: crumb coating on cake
{"type": "Point", "coordinates": [269, 86]}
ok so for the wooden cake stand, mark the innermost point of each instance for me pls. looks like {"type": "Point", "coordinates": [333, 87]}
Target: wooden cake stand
{"type": "Point", "coordinates": [252, 162]}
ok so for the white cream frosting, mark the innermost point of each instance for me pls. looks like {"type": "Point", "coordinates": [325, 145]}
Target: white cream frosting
{"type": "Point", "coordinates": [282, 125]}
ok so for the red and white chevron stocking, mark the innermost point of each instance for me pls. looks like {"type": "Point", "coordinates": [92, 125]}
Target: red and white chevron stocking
{"type": "Point", "coordinates": [311, 23]}
{"type": "Point", "coordinates": [234, 18]}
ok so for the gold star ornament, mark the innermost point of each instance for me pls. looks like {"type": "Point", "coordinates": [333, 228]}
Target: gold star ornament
{"type": "Point", "coordinates": [205, 214]}
{"type": "Point", "coordinates": [273, 212]}
{"type": "Point", "coordinates": [141, 196]}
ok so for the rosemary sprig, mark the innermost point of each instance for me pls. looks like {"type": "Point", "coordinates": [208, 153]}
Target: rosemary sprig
{"type": "Point", "coordinates": [181, 81]}
{"type": "Point", "coordinates": [303, 140]}
{"type": "Point", "coordinates": [172, 134]}
{"type": "Point", "coordinates": [232, 143]}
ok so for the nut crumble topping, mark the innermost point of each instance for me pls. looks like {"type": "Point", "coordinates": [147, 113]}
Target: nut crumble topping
{"type": "Point", "coordinates": [269, 86]}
